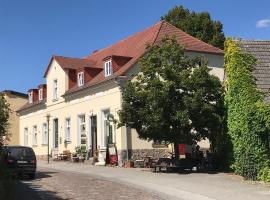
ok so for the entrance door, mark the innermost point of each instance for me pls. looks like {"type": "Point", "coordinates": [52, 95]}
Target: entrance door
{"type": "Point", "coordinates": [93, 134]}
{"type": "Point", "coordinates": [55, 130]}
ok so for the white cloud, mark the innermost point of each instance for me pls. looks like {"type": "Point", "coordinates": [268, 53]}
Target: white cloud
{"type": "Point", "coordinates": [263, 23]}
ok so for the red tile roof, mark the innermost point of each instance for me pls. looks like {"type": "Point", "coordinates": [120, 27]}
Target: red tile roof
{"type": "Point", "coordinates": [135, 46]}
{"type": "Point", "coordinates": [72, 63]}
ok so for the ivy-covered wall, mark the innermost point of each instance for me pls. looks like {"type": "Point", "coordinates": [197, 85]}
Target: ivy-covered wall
{"type": "Point", "coordinates": [247, 113]}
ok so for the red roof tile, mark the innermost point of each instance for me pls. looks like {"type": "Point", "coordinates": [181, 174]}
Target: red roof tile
{"type": "Point", "coordinates": [72, 63]}
{"type": "Point", "coordinates": [133, 46]}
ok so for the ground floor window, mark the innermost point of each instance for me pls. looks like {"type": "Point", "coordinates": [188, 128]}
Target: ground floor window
{"type": "Point", "coordinates": [44, 134]}
{"type": "Point", "coordinates": [34, 135]}
{"type": "Point", "coordinates": [82, 133]}
{"type": "Point", "coordinates": [25, 136]}
{"type": "Point", "coordinates": [67, 130]}
{"type": "Point", "coordinates": [107, 129]}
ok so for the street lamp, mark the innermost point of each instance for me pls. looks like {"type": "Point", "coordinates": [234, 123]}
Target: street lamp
{"type": "Point", "coordinates": [48, 116]}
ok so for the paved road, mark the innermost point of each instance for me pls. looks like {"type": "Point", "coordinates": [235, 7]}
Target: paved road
{"type": "Point", "coordinates": [60, 185]}
{"type": "Point", "coordinates": [79, 181]}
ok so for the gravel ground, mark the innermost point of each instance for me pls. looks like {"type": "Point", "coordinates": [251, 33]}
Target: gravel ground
{"type": "Point", "coordinates": [59, 185]}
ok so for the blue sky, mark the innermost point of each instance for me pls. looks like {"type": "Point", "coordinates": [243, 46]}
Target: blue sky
{"type": "Point", "coordinates": [32, 30]}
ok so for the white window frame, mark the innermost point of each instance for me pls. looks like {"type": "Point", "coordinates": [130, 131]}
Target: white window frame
{"type": "Point", "coordinates": [40, 94]}
{"type": "Point", "coordinates": [108, 68]}
{"type": "Point", "coordinates": [80, 79]}
{"type": "Point", "coordinates": [25, 133]}
{"type": "Point", "coordinates": [55, 89]}
{"type": "Point", "coordinates": [104, 113]}
{"type": "Point", "coordinates": [44, 134]}
{"type": "Point", "coordinates": [81, 124]}
{"type": "Point", "coordinates": [30, 97]}
{"type": "Point", "coordinates": [34, 142]}
{"type": "Point", "coordinates": [68, 129]}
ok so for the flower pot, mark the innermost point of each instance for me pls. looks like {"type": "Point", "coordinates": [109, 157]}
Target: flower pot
{"type": "Point", "coordinates": [129, 164]}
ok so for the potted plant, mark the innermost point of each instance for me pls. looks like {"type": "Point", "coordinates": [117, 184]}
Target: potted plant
{"type": "Point", "coordinates": [81, 152]}
{"type": "Point", "coordinates": [129, 164]}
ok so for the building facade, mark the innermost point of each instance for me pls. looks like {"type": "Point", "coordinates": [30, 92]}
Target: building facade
{"type": "Point", "coordinates": [82, 94]}
{"type": "Point", "coordinates": [15, 100]}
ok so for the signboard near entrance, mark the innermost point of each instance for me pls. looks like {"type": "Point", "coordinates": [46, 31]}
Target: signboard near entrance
{"type": "Point", "coordinates": [182, 149]}
{"type": "Point", "coordinates": [112, 157]}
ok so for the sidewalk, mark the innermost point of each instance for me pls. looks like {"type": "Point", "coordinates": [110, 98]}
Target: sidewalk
{"type": "Point", "coordinates": [195, 186]}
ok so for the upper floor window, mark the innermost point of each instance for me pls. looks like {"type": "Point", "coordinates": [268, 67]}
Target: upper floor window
{"type": "Point", "coordinates": [30, 96]}
{"type": "Point", "coordinates": [108, 68]}
{"type": "Point", "coordinates": [40, 94]}
{"type": "Point", "coordinates": [80, 79]}
{"type": "Point", "coordinates": [55, 90]}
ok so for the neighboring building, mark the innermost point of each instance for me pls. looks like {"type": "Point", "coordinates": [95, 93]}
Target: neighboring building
{"type": "Point", "coordinates": [80, 94]}
{"type": "Point", "coordinates": [260, 49]}
{"type": "Point", "coordinates": [16, 100]}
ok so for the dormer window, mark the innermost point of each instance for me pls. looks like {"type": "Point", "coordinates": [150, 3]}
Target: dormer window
{"type": "Point", "coordinates": [80, 79]}
{"type": "Point", "coordinates": [40, 94]}
{"type": "Point", "coordinates": [30, 96]}
{"type": "Point", "coordinates": [108, 68]}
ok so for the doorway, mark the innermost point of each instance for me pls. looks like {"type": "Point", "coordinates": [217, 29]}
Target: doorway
{"type": "Point", "coordinates": [55, 131]}
{"type": "Point", "coordinates": [93, 134]}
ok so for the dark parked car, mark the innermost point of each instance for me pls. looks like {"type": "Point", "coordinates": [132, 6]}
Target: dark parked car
{"type": "Point", "coordinates": [20, 160]}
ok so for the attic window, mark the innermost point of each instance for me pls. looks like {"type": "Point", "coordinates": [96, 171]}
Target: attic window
{"type": "Point", "coordinates": [108, 68]}
{"type": "Point", "coordinates": [40, 94]}
{"type": "Point", "coordinates": [30, 96]}
{"type": "Point", "coordinates": [80, 79]}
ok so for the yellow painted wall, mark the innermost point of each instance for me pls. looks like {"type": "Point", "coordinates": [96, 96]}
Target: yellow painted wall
{"type": "Point", "coordinates": [15, 102]}
{"type": "Point", "coordinates": [89, 102]}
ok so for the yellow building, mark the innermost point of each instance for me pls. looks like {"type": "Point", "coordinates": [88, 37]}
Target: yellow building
{"type": "Point", "coordinates": [80, 94]}
{"type": "Point", "coordinates": [15, 100]}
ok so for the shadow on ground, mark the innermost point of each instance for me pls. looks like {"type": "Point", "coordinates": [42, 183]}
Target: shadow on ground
{"type": "Point", "coordinates": [39, 175]}
{"type": "Point", "coordinates": [27, 189]}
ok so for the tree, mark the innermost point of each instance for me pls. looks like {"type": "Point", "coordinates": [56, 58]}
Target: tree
{"type": "Point", "coordinates": [4, 116]}
{"type": "Point", "coordinates": [174, 98]}
{"type": "Point", "coordinates": [199, 25]}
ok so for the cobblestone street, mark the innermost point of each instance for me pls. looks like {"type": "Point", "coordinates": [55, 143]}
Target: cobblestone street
{"type": "Point", "coordinates": [59, 185]}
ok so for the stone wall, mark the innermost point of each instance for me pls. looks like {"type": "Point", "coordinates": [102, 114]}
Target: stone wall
{"type": "Point", "coordinates": [140, 154]}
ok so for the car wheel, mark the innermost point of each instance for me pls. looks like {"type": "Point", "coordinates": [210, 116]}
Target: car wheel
{"type": "Point", "coordinates": [32, 176]}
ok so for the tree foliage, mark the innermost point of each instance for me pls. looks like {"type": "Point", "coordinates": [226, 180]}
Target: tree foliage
{"type": "Point", "coordinates": [174, 98]}
{"type": "Point", "coordinates": [248, 116]}
{"type": "Point", "coordinates": [4, 116]}
{"type": "Point", "coordinates": [199, 25]}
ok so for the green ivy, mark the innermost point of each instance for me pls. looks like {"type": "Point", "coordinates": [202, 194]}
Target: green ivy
{"type": "Point", "coordinates": [247, 114]}
{"type": "Point", "coordinates": [264, 174]}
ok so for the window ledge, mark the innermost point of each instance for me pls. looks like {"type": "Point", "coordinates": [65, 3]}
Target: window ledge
{"type": "Point", "coordinates": [44, 145]}
{"type": "Point", "coordinates": [34, 145]}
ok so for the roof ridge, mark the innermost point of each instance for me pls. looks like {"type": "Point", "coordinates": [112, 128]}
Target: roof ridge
{"type": "Point", "coordinates": [161, 24]}
{"type": "Point", "coordinates": [84, 59]}
{"type": "Point", "coordinates": [126, 38]}
{"type": "Point", "coordinates": [197, 39]}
